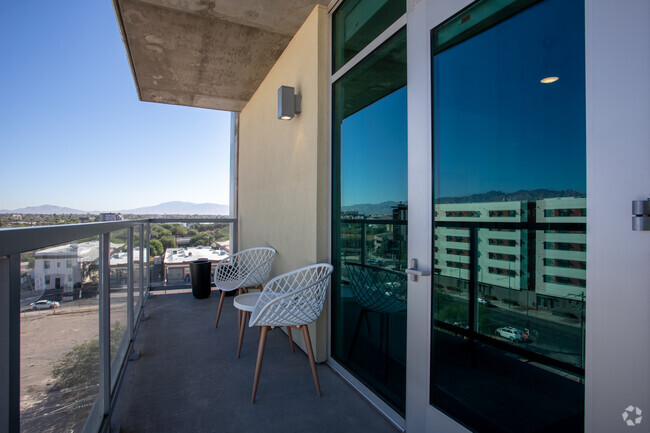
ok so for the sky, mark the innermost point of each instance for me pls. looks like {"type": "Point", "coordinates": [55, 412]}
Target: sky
{"type": "Point", "coordinates": [73, 132]}
{"type": "Point", "coordinates": [374, 152]}
{"type": "Point", "coordinates": [496, 127]}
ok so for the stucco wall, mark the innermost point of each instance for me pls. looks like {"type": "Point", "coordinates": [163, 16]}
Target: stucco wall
{"type": "Point", "coordinates": [283, 165]}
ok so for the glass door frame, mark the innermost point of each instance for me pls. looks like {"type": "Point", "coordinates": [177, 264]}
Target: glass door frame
{"type": "Point", "coordinates": [422, 17]}
{"type": "Point", "coordinates": [615, 177]}
{"type": "Point", "coordinates": [385, 409]}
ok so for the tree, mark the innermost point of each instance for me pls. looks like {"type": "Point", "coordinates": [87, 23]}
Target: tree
{"type": "Point", "coordinates": [168, 242]}
{"type": "Point", "coordinates": [178, 230]}
{"type": "Point", "coordinates": [156, 247]}
{"type": "Point", "coordinates": [192, 232]}
{"type": "Point", "coordinates": [202, 239]}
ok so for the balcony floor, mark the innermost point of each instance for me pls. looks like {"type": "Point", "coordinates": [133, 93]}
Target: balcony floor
{"type": "Point", "coordinates": [188, 378]}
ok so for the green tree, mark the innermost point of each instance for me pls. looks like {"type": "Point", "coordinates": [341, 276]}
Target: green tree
{"type": "Point", "coordinates": [202, 239]}
{"type": "Point", "coordinates": [179, 230]}
{"type": "Point", "coordinates": [168, 242]}
{"type": "Point", "coordinates": [156, 247]}
{"type": "Point", "coordinates": [192, 232]}
{"type": "Point", "coordinates": [158, 232]}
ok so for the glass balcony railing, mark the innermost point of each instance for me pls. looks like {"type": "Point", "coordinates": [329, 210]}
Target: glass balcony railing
{"type": "Point", "coordinates": [72, 297]}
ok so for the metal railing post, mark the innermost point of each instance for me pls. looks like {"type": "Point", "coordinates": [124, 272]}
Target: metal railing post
{"type": "Point", "coordinates": [104, 397]}
{"type": "Point", "coordinates": [234, 243]}
{"type": "Point", "coordinates": [129, 284]}
{"type": "Point", "coordinates": [141, 263]}
{"type": "Point", "coordinates": [364, 248]}
{"type": "Point", "coordinates": [148, 281]}
{"type": "Point", "coordinates": [10, 343]}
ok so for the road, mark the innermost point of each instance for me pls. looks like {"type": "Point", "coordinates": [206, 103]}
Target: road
{"type": "Point", "coordinates": [555, 339]}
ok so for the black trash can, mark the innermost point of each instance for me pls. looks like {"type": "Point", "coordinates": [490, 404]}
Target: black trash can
{"type": "Point", "coordinates": [200, 274]}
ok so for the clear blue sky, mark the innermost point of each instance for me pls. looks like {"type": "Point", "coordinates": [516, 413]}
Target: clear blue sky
{"type": "Point", "coordinates": [374, 152]}
{"type": "Point", "coordinates": [496, 126]}
{"type": "Point", "coordinates": [72, 130]}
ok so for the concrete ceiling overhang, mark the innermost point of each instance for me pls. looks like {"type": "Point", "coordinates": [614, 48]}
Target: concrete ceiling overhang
{"type": "Point", "coordinates": [203, 53]}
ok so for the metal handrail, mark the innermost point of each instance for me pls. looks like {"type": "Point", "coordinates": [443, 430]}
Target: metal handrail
{"type": "Point", "coordinates": [13, 242]}
{"type": "Point", "coordinates": [19, 240]}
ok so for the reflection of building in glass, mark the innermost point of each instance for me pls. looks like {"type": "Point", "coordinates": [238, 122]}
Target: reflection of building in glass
{"type": "Point", "coordinates": [507, 256]}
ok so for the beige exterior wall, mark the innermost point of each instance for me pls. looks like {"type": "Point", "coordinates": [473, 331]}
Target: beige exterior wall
{"type": "Point", "coordinates": [283, 171]}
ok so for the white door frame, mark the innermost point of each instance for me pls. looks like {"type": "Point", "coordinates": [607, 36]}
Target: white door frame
{"type": "Point", "coordinates": [618, 259]}
{"type": "Point", "coordinates": [422, 17]}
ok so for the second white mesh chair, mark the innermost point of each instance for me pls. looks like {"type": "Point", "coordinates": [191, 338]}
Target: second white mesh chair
{"type": "Point", "coordinates": [294, 299]}
{"type": "Point", "coordinates": [245, 269]}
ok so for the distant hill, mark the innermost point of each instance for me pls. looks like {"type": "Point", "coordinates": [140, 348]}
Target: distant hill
{"type": "Point", "coordinates": [45, 209]}
{"type": "Point", "coordinates": [180, 208]}
{"type": "Point", "coordinates": [522, 195]}
{"type": "Point", "coordinates": [385, 208]}
{"type": "Point", "coordinates": [168, 208]}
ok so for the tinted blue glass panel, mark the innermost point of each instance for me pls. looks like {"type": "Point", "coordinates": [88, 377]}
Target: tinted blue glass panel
{"type": "Point", "coordinates": [369, 221]}
{"type": "Point", "coordinates": [509, 286]}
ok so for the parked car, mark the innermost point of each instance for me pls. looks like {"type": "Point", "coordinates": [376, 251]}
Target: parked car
{"type": "Point", "coordinates": [484, 302]}
{"type": "Point", "coordinates": [512, 334]}
{"type": "Point", "coordinates": [44, 305]}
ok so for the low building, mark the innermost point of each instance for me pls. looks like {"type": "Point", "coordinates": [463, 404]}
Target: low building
{"type": "Point", "coordinates": [176, 261]}
{"type": "Point", "coordinates": [119, 267]}
{"type": "Point", "coordinates": [110, 216]}
{"type": "Point", "coordinates": [65, 266]}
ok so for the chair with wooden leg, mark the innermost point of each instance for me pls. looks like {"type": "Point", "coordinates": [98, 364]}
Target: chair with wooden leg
{"type": "Point", "coordinates": [294, 299]}
{"type": "Point", "coordinates": [245, 269]}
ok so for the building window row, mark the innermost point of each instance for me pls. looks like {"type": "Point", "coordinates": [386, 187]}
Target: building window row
{"type": "Point", "coordinates": [502, 213]}
{"type": "Point", "coordinates": [501, 256]}
{"type": "Point", "coordinates": [457, 265]}
{"type": "Point", "coordinates": [457, 252]}
{"type": "Point", "coordinates": [463, 239]}
{"type": "Point", "coordinates": [463, 214]}
{"type": "Point", "coordinates": [577, 282]}
{"type": "Point", "coordinates": [565, 246]}
{"type": "Point", "coordinates": [561, 263]}
{"type": "Point", "coordinates": [500, 271]}
{"type": "Point", "coordinates": [503, 242]}
{"type": "Point", "coordinates": [578, 212]}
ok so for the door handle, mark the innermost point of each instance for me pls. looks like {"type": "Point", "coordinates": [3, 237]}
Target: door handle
{"type": "Point", "coordinates": [414, 272]}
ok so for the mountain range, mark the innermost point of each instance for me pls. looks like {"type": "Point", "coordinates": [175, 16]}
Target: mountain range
{"type": "Point", "coordinates": [522, 195]}
{"type": "Point", "coordinates": [385, 208]}
{"type": "Point", "coordinates": [167, 208]}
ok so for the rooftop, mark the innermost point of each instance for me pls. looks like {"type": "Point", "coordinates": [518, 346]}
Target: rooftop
{"type": "Point", "coordinates": [186, 255]}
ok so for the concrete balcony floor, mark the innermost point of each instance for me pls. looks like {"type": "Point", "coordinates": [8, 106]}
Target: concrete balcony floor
{"type": "Point", "coordinates": [188, 378]}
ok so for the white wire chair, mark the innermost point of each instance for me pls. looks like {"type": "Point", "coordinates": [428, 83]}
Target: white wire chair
{"type": "Point", "coordinates": [294, 299]}
{"type": "Point", "coordinates": [242, 270]}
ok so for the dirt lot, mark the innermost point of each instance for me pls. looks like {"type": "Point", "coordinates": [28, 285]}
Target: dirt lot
{"type": "Point", "coordinates": [46, 336]}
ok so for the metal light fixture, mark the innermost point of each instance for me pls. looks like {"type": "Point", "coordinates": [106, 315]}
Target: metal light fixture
{"type": "Point", "coordinates": [288, 103]}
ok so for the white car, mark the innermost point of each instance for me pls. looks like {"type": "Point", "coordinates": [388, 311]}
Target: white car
{"type": "Point", "coordinates": [44, 305]}
{"type": "Point", "coordinates": [510, 333]}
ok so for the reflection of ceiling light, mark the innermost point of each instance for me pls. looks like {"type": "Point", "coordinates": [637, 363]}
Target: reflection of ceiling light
{"type": "Point", "coordinates": [548, 80]}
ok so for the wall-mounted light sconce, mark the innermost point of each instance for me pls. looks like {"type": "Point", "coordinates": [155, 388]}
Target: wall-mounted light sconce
{"type": "Point", "coordinates": [289, 104]}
